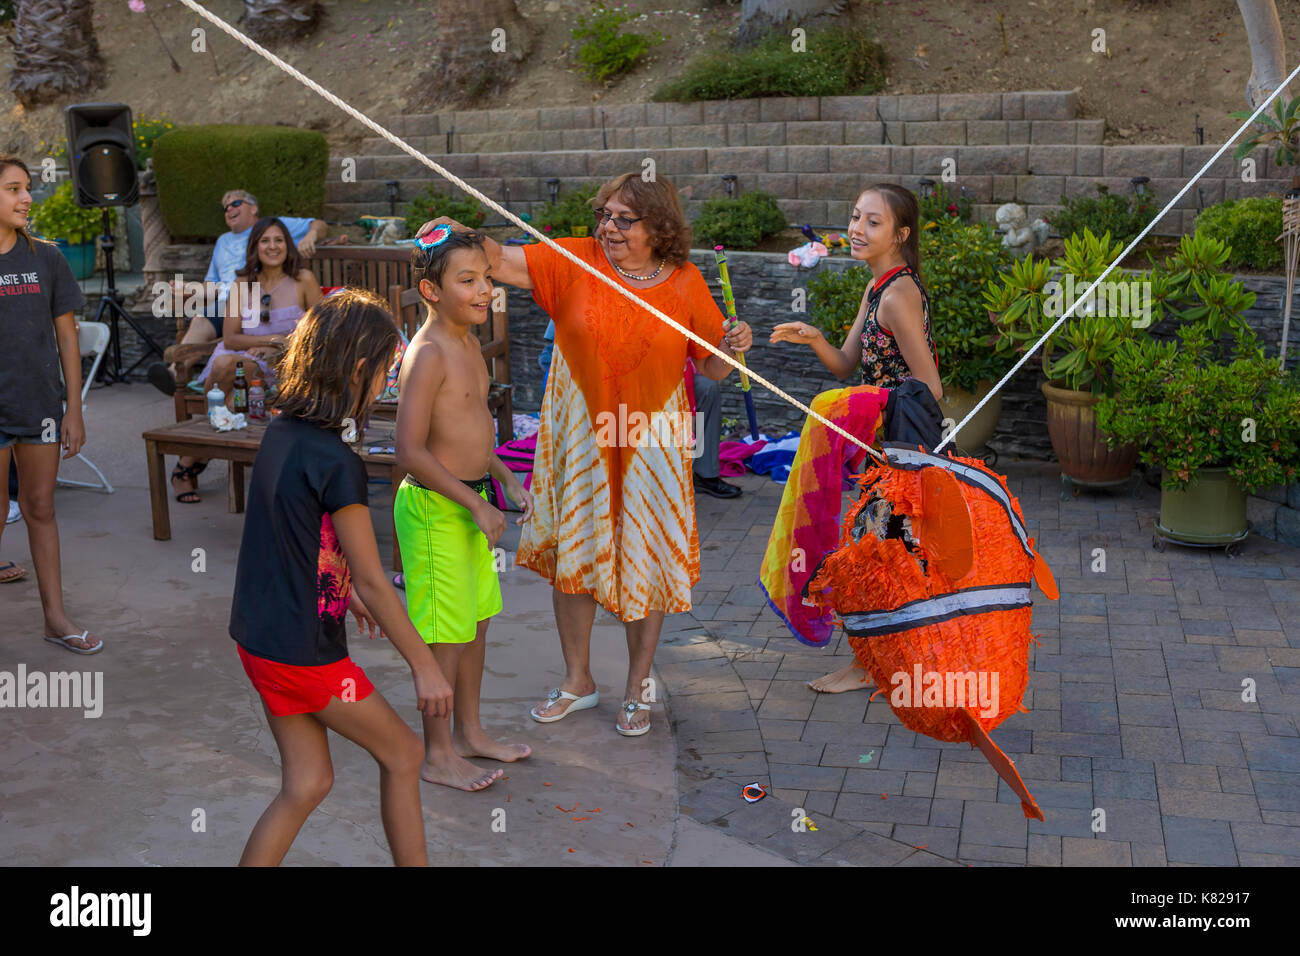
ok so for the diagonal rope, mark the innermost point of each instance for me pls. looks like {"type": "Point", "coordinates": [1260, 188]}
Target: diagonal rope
{"type": "Point", "coordinates": [1120, 258]}
{"type": "Point", "coordinates": [491, 204]}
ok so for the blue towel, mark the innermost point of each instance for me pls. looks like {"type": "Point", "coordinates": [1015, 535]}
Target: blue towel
{"type": "Point", "coordinates": [775, 458]}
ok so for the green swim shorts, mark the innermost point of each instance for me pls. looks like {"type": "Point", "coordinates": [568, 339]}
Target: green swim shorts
{"type": "Point", "coordinates": [451, 576]}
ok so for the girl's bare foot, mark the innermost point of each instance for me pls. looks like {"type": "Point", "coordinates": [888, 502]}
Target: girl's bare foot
{"type": "Point", "coordinates": [458, 773]}
{"type": "Point", "coordinates": [852, 677]}
{"type": "Point", "coordinates": [481, 745]}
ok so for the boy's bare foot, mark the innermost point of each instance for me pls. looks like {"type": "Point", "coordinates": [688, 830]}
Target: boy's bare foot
{"type": "Point", "coordinates": [459, 774]}
{"type": "Point", "coordinates": [481, 745]}
{"type": "Point", "coordinates": [852, 677]}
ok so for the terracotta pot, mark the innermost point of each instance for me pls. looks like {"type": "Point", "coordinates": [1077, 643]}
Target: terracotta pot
{"type": "Point", "coordinates": [1079, 444]}
{"type": "Point", "coordinates": [957, 404]}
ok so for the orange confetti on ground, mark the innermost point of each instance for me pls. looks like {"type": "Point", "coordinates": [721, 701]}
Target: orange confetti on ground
{"type": "Point", "coordinates": [921, 847]}
{"type": "Point", "coordinates": [597, 810]}
{"type": "Point", "coordinates": [651, 862]}
{"type": "Point", "coordinates": [571, 850]}
{"type": "Point", "coordinates": [562, 810]}
{"type": "Point", "coordinates": [581, 818]}
{"type": "Point", "coordinates": [631, 825]}
{"type": "Point", "coordinates": [546, 785]}
{"type": "Point", "coordinates": [884, 796]}
{"type": "Point", "coordinates": [507, 798]}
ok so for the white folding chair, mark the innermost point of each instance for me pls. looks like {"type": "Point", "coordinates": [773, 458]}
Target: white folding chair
{"type": "Point", "coordinates": [92, 339]}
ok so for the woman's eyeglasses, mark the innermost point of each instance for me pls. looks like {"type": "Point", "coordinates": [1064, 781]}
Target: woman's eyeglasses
{"type": "Point", "coordinates": [621, 223]}
{"type": "Point", "coordinates": [234, 205]}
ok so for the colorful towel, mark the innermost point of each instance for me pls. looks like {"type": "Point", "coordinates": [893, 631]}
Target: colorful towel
{"type": "Point", "coordinates": [517, 455]}
{"type": "Point", "coordinates": [807, 524]}
{"type": "Point", "coordinates": [732, 455]}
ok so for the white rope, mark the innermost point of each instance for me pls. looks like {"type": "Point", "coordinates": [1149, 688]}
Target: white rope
{"type": "Point", "coordinates": [461, 184]}
{"type": "Point", "coordinates": [1120, 258]}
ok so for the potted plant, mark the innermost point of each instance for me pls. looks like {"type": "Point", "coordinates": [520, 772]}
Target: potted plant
{"type": "Point", "coordinates": [957, 259]}
{"type": "Point", "coordinates": [1076, 359]}
{"type": "Point", "coordinates": [72, 228]}
{"type": "Point", "coordinates": [1218, 426]}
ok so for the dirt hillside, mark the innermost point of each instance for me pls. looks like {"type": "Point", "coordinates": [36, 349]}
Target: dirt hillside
{"type": "Point", "coordinates": [1169, 59]}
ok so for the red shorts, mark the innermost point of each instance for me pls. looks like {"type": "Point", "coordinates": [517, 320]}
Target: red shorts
{"type": "Point", "coordinates": [289, 689]}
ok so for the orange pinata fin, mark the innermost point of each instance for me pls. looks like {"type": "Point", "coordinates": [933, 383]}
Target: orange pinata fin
{"type": "Point", "coordinates": [943, 526]}
{"type": "Point", "coordinates": [1003, 765]}
{"type": "Point", "coordinates": [1043, 575]}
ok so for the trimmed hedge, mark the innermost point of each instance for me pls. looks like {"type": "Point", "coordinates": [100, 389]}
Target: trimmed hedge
{"type": "Point", "coordinates": [282, 166]}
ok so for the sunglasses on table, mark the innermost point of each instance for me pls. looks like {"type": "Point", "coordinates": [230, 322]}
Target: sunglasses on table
{"type": "Point", "coordinates": [622, 223]}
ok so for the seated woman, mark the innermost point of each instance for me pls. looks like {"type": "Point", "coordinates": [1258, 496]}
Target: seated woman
{"type": "Point", "coordinates": [271, 293]}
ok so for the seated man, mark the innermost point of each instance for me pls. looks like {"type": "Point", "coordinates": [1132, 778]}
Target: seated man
{"type": "Point", "coordinates": [708, 403]}
{"type": "Point", "coordinates": [230, 254]}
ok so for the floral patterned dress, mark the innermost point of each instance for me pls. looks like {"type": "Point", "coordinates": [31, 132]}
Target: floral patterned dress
{"type": "Point", "coordinates": [883, 364]}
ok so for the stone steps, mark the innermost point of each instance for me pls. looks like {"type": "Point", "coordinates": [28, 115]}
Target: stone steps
{"type": "Point", "coordinates": [819, 183]}
{"type": "Point", "coordinates": [795, 133]}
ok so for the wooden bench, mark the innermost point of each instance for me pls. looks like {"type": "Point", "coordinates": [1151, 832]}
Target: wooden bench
{"type": "Point", "coordinates": [385, 271]}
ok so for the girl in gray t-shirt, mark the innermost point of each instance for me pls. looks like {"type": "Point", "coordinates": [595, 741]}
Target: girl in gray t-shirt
{"type": "Point", "coordinates": [38, 296]}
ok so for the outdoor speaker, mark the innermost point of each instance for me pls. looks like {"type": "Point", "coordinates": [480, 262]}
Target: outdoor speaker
{"type": "Point", "coordinates": [101, 155]}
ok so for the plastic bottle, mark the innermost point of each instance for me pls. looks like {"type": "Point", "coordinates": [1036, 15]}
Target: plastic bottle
{"type": "Point", "coordinates": [239, 392]}
{"type": "Point", "coordinates": [257, 401]}
{"type": "Point", "coordinates": [216, 399]}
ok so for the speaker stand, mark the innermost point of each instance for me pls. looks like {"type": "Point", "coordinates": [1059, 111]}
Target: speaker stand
{"type": "Point", "coordinates": [111, 303]}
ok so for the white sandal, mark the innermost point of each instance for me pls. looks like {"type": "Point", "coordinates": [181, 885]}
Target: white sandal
{"type": "Point", "coordinates": [579, 703]}
{"type": "Point", "coordinates": [630, 708]}
{"type": "Point", "coordinates": [63, 642]}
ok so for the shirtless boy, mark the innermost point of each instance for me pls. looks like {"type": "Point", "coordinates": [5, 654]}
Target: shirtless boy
{"type": "Point", "coordinates": [445, 526]}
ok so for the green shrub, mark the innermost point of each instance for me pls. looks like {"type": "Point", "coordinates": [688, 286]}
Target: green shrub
{"type": "Point", "coordinates": [59, 217]}
{"type": "Point", "coordinates": [739, 223]}
{"type": "Point", "coordinates": [147, 131]}
{"type": "Point", "coordinates": [939, 206]}
{"type": "Point", "coordinates": [1184, 408]}
{"type": "Point", "coordinates": [837, 62]}
{"type": "Point", "coordinates": [1250, 228]}
{"type": "Point", "coordinates": [196, 165]}
{"type": "Point", "coordinates": [834, 297]}
{"type": "Point", "coordinates": [432, 203]}
{"type": "Point", "coordinates": [607, 52]}
{"type": "Point", "coordinates": [957, 259]}
{"type": "Point", "coordinates": [1106, 213]}
{"type": "Point", "coordinates": [558, 219]}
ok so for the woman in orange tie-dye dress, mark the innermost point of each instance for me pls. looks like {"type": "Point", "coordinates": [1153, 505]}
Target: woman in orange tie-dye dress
{"type": "Point", "coordinates": [614, 506]}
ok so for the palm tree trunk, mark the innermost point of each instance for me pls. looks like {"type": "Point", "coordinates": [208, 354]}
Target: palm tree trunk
{"type": "Point", "coordinates": [55, 51]}
{"type": "Point", "coordinates": [268, 21]}
{"type": "Point", "coordinates": [1267, 50]}
{"type": "Point", "coordinates": [758, 18]}
{"type": "Point", "coordinates": [481, 44]}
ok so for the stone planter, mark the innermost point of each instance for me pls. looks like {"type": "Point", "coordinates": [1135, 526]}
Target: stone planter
{"type": "Point", "coordinates": [957, 404]}
{"type": "Point", "coordinates": [1079, 444]}
{"type": "Point", "coordinates": [1210, 512]}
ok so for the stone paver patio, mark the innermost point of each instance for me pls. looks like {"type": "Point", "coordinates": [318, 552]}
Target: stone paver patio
{"type": "Point", "coordinates": [1135, 707]}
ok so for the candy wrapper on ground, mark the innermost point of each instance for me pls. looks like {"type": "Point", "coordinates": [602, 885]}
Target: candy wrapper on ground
{"type": "Point", "coordinates": [932, 583]}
